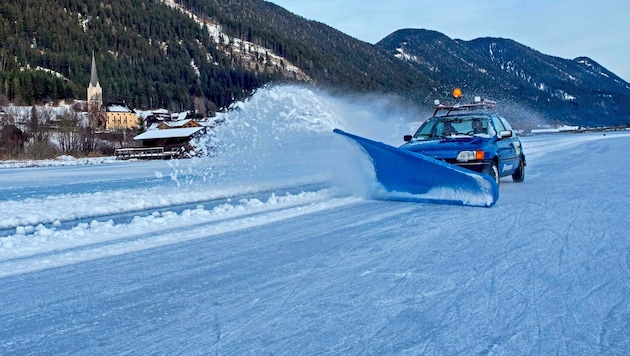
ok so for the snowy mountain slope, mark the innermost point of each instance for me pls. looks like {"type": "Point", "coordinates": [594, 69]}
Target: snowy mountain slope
{"type": "Point", "coordinates": [281, 251]}
{"type": "Point", "coordinates": [534, 88]}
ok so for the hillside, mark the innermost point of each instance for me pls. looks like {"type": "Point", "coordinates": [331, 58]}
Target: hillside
{"type": "Point", "coordinates": [327, 56]}
{"type": "Point", "coordinates": [148, 54]}
{"type": "Point", "coordinates": [531, 85]}
{"type": "Point", "coordinates": [204, 54]}
{"type": "Point", "coordinates": [162, 53]}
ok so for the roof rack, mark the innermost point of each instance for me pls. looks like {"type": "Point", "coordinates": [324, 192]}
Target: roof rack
{"type": "Point", "coordinates": [477, 105]}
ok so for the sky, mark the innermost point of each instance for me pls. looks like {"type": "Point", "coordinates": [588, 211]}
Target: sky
{"type": "Point", "coordinates": [562, 28]}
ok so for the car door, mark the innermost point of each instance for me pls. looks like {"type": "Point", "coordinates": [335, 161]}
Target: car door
{"type": "Point", "coordinates": [507, 147]}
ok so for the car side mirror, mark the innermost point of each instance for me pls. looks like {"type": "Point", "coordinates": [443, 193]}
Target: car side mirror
{"type": "Point", "coordinates": [505, 134]}
{"type": "Point", "coordinates": [407, 138]}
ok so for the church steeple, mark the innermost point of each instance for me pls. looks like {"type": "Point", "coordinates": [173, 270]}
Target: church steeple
{"type": "Point", "coordinates": [94, 91]}
{"type": "Point", "coordinates": [94, 76]}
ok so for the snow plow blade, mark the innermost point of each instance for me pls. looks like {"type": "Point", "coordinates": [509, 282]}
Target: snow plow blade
{"type": "Point", "coordinates": [411, 176]}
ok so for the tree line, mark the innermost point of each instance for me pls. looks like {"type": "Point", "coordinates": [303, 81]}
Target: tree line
{"type": "Point", "coordinates": [151, 55]}
{"type": "Point", "coordinates": [148, 55]}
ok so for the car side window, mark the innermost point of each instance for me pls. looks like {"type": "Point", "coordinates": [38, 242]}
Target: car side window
{"type": "Point", "coordinates": [505, 123]}
{"type": "Point", "coordinates": [427, 129]}
{"type": "Point", "coordinates": [498, 125]}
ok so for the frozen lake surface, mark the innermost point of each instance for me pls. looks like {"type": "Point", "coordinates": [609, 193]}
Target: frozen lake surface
{"type": "Point", "coordinates": [274, 246]}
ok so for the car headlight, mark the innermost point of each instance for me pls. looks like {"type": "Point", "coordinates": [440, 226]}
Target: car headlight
{"type": "Point", "coordinates": [465, 156]}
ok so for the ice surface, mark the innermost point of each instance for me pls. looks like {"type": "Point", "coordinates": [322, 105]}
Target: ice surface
{"type": "Point", "coordinates": [272, 246]}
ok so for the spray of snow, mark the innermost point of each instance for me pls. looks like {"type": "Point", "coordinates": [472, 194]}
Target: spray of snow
{"type": "Point", "coordinates": [288, 129]}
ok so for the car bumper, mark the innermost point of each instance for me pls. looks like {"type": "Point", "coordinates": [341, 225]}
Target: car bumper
{"type": "Point", "coordinates": [477, 166]}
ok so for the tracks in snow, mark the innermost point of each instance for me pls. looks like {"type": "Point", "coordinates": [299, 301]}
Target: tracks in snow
{"type": "Point", "coordinates": [78, 240]}
{"type": "Point", "coordinates": [128, 215]}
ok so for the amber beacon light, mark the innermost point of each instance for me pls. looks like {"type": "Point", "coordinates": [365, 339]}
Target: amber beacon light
{"type": "Point", "coordinates": [457, 93]}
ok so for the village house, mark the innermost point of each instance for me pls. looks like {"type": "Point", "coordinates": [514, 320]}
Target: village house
{"type": "Point", "coordinates": [173, 138]}
{"type": "Point", "coordinates": [155, 117]}
{"type": "Point", "coordinates": [169, 141]}
{"type": "Point", "coordinates": [186, 123]}
{"type": "Point", "coordinates": [120, 116]}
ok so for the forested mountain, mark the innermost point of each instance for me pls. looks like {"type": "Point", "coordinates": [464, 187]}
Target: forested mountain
{"type": "Point", "coordinates": [328, 56]}
{"type": "Point", "coordinates": [147, 54]}
{"type": "Point", "coordinates": [533, 86]}
{"type": "Point", "coordinates": [204, 54]}
{"type": "Point", "coordinates": [162, 53]}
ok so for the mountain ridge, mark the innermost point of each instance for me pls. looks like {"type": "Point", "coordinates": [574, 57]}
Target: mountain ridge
{"type": "Point", "coordinates": [204, 54]}
{"type": "Point", "coordinates": [576, 91]}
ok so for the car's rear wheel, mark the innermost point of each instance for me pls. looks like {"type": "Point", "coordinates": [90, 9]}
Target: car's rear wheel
{"type": "Point", "coordinates": [519, 175]}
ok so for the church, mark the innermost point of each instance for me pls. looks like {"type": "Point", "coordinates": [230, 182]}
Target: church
{"type": "Point", "coordinates": [112, 116]}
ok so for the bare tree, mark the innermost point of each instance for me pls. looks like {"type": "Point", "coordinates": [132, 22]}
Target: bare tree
{"type": "Point", "coordinates": [39, 123]}
{"type": "Point", "coordinates": [69, 133]}
{"type": "Point", "coordinates": [200, 105]}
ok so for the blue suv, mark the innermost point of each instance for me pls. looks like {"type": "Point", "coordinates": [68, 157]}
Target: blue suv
{"type": "Point", "coordinates": [471, 137]}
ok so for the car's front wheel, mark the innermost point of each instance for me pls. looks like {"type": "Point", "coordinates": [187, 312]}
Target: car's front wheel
{"type": "Point", "coordinates": [519, 175]}
{"type": "Point", "coordinates": [493, 171]}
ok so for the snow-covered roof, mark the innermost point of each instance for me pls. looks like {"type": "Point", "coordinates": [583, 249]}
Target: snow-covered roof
{"type": "Point", "coordinates": [168, 133]}
{"type": "Point", "coordinates": [143, 113]}
{"type": "Point", "coordinates": [118, 108]}
{"type": "Point", "coordinates": [157, 112]}
{"type": "Point", "coordinates": [154, 126]}
{"type": "Point", "coordinates": [178, 123]}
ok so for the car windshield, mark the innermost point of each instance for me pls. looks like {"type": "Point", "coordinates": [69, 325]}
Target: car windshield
{"type": "Point", "coordinates": [446, 126]}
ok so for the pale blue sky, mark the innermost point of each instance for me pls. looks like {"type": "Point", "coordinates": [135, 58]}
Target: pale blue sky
{"type": "Point", "coordinates": [563, 28]}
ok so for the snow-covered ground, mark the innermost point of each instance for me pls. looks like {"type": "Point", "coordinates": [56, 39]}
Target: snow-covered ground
{"type": "Point", "coordinates": [274, 246]}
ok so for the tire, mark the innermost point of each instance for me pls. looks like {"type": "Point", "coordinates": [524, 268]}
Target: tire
{"type": "Point", "coordinates": [493, 171]}
{"type": "Point", "coordinates": [519, 175]}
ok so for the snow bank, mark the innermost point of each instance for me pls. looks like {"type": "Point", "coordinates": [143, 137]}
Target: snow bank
{"type": "Point", "coordinates": [57, 162]}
